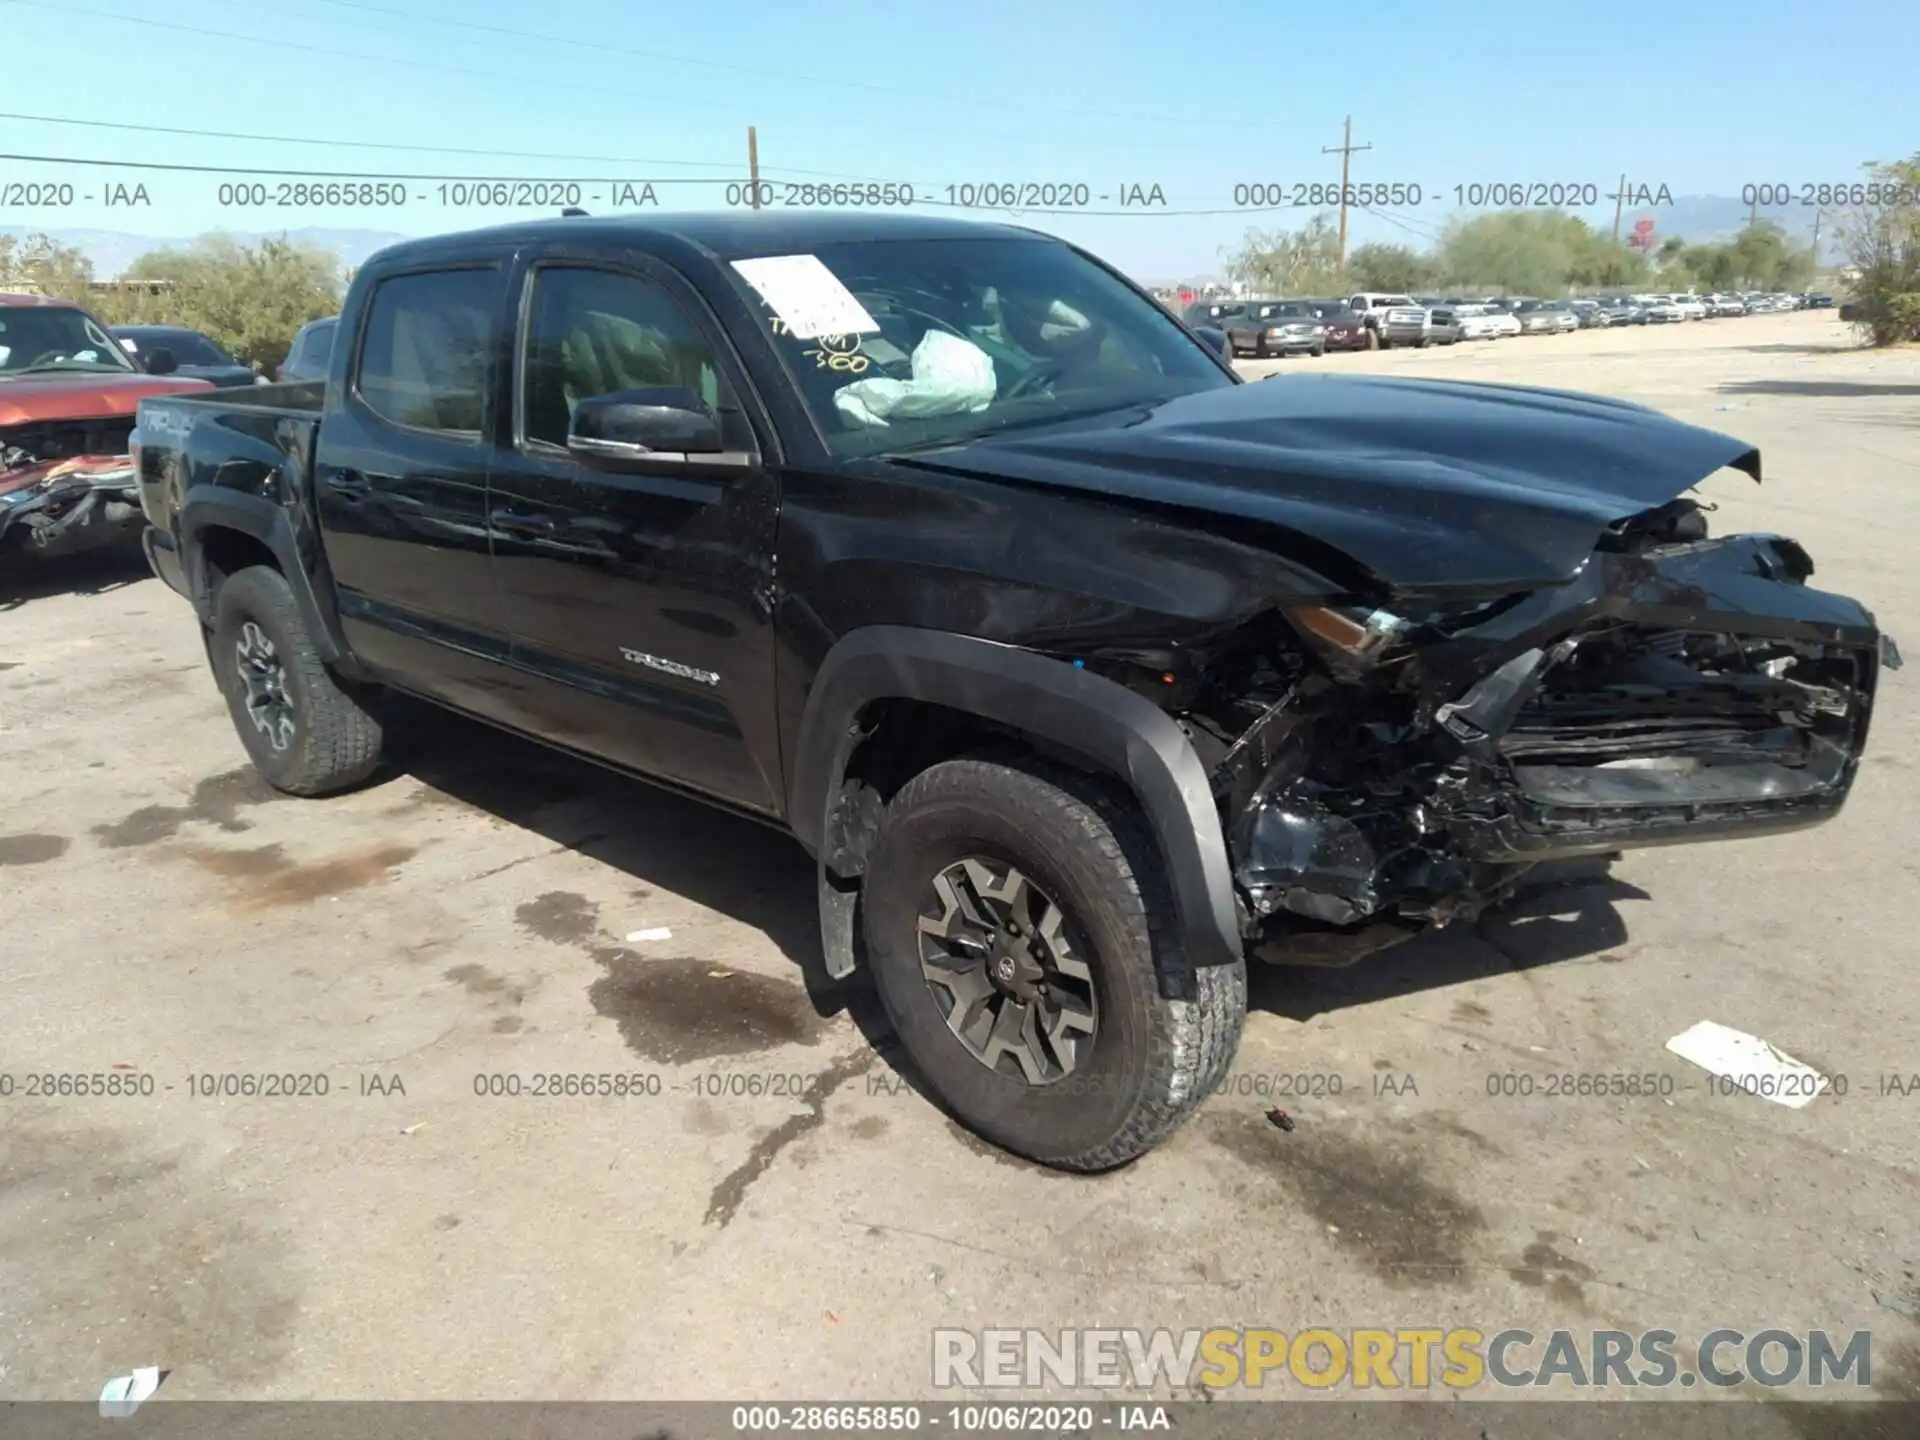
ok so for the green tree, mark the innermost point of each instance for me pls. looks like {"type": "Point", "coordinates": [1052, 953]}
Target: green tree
{"type": "Point", "coordinates": [42, 266]}
{"type": "Point", "coordinates": [1881, 238]}
{"type": "Point", "coordinates": [1374, 266]}
{"type": "Point", "coordinates": [1535, 252]}
{"type": "Point", "coordinates": [1290, 262]}
{"type": "Point", "coordinates": [250, 298]}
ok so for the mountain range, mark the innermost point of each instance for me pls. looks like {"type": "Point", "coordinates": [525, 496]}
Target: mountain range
{"type": "Point", "coordinates": [1697, 218]}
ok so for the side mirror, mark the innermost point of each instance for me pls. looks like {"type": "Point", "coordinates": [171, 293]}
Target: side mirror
{"type": "Point", "coordinates": [1214, 337]}
{"type": "Point", "coordinates": [160, 361]}
{"type": "Point", "coordinates": [660, 428]}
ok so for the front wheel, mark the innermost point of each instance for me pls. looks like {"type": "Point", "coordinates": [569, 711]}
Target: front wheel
{"type": "Point", "coordinates": [305, 734]}
{"type": "Point", "coordinates": [1023, 941]}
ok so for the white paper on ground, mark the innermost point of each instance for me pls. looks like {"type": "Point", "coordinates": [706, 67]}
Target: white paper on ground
{"type": "Point", "coordinates": [124, 1394]}
{"type": "Point", "coordinates": [657, 932]}
{"type": "Point", "coordinates": [951, 376]}
{"type": "Point", "coordinates": [1751, 1063]}
{"type": "Point", "coordinates": [807, 296]}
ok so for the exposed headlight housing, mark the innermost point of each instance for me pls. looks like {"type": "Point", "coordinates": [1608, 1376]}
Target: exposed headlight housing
{"type": "Point", "coordinates": [1349, 636]}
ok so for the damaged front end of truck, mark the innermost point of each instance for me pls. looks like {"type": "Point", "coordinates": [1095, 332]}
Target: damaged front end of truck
{"type": "Point", "coordinates": [1381, 765]}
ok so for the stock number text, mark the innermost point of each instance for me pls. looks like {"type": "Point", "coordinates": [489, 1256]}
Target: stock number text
{"type": "Point", "coordinates": [1272, 194]}
{"type": "Point", "coordinates": [1561, 1086]}
{"type": "Point", "coordinates": [554, 1085]}
{"type": "Point", "coordinates": [46, 1085]}
{"type": "Point", "coordinates": [1858, 192]}
{"type": "Point", "coordinates": [846, 192]}
{"type": "Point", "coordinates": [304, 195]}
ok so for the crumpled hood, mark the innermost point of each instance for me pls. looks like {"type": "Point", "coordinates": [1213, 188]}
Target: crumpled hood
{"type": "Point", "coordinates": [78, 395]}
{"type": "Point", "coordinates": [1428, 484]}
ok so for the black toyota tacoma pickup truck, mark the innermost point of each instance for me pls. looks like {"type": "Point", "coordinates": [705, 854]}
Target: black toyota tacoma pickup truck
{"type": "Point", "coordinates": [1084, 670]}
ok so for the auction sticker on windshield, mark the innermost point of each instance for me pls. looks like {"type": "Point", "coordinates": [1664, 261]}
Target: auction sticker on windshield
{"type": "Point", "coordinates": [807, 296]}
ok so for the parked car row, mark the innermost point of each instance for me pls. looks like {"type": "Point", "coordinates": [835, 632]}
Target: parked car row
{"type": "Point", "coordinates": [1380, 320]}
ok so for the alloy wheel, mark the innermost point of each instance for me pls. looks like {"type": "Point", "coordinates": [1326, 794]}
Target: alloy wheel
{"type": "Point", "coordinates": [1001, 959]}
{"type": "Point", "coordinates": [269, 704]}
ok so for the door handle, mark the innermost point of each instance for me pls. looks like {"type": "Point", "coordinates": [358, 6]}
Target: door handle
{"type": "Point", "coordinates": [349, 482]}
{"type": "Point", "coordinates": [522, 522]}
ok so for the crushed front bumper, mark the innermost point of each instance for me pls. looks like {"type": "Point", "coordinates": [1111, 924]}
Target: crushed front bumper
{"type": "Point", "coordinates": [1681, 692]}
{"type": "Point", "coordinates": [1693, 692]}
{"type": "Point", "coordinates": [50, 508]}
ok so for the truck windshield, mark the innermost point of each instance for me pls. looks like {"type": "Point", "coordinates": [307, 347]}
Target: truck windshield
{"type": "Point", "coordinates": [950, 340]}
{"type": "Point", "coordinates": [42, 338]}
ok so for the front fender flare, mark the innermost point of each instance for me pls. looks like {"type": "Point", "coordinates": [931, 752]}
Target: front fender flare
{"type": "Point", "coordinates": [1110, 727]}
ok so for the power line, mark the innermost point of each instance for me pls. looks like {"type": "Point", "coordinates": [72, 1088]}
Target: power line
{"type": "Point", "coordinates": [390, 145]}
{"type": "Point", "coordinates": [492, 76]}
{"type": "Point", "coordinates": [62, 8]}
{"type": "Point", "coordinates": [761, 72]}
{"type": "Point", "coordinates": [251, 170]}
{"type": "Point", "coordinates": [258, 171]}
{"type": "Point", "coordinates": [1408, 226]}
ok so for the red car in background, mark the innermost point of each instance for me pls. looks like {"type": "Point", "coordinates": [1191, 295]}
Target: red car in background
{"type": "Point", "coordinates": [68, 392]}
{"type": "Point", "coordinates": [1345, 329]}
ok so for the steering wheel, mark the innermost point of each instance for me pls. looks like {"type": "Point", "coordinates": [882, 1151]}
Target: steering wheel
{"type": "Point", "coordinates": [46, 355]}
{"type": "Point", "coordinates": [931, 321]}
{"type": "Point", "coordinates": [1043, 372]}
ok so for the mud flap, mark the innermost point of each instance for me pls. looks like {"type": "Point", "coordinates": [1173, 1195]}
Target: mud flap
{"type": "Point", "coordinates": [839, 923]}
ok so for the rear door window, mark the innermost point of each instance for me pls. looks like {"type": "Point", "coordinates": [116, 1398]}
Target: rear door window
{"type": "Point", "coordinates": [423, 362]}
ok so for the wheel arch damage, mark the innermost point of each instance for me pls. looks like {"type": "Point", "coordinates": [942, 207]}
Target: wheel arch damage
{"type": "Point", "coordinates": [1083, 716]}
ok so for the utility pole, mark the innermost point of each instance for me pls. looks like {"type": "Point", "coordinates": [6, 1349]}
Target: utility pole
{"type": "Point", "coordinates": [753, 164]}
{"type": "Point", "coordinates": [1818, 216]}
{"type": "Point", "coordinates": [1753, 209]}
{"type": "Point", "coordinates": [1345, 151]}
{"type": "Point", "coordinates": [1619, 199]}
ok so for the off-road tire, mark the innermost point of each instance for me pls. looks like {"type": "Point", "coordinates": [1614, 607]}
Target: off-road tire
{"type": "Point", "coordinates": [336, 740]}
{"type": "Point", "coordinates": [1167, 1029]}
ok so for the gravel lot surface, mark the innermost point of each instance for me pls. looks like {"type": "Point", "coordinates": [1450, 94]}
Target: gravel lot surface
{"type": "Point", "coordinates": [787, 1217]}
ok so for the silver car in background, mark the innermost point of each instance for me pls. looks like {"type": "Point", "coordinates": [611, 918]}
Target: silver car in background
{"type": "Point", "coordinates": [1443, 323]}
{"type": "Point", "coordinates": [1545, 317]}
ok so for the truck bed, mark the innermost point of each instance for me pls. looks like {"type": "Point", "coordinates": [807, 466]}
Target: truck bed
{"type": "Point", "coordinates": [248, 440]}
{"type": "Point", "coordinates": [305, 397]}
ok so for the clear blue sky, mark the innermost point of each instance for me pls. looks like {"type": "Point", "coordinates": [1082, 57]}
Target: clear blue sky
{"type": "Point", "coordinates": [1194, 96]}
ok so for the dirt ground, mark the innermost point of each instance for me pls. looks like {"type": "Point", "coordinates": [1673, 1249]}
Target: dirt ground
{"type": "Point", "coordinates": [774, 1212]}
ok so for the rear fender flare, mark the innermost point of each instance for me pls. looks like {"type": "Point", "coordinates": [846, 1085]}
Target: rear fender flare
{"type": "Point", "coordinates": [1111, 728]}
{"type": "Point", "coordinates": [269, 524]}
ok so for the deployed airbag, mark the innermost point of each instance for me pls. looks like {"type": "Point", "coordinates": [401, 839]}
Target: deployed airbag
{"type": "Point", "coordinates": [951, 376]}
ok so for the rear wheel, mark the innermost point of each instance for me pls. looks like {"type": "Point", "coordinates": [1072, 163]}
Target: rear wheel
{"type": "Point", "coordinates": [304, 733]}
{"type": "Point", "coordinates": [1024, 943]}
